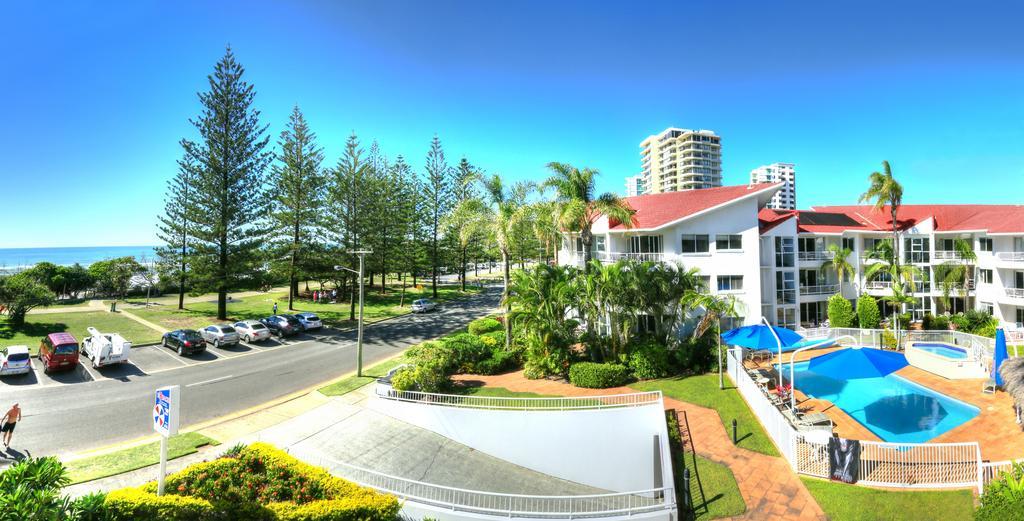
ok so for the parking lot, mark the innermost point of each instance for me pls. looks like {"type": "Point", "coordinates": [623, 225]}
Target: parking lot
{"type": "Point", "coordinates": [147, 360]}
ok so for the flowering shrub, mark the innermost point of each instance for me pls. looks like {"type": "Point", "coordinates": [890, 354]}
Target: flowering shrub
{"type": "Point", "coordinates": [258, 482]}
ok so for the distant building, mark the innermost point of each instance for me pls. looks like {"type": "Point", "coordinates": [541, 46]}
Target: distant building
{"type": "Point", "coordinates": [635, 185]}
{"type": "Point", "coordinates": [680, 159]}
{"type": "Point", "coordinates": [785, 173]}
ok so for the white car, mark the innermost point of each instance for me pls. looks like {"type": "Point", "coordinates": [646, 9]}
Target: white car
{"type": "Point", "coordinates": [309, 321]}
{"type": "Point", "coordinates": [423, 305]}
{"type": "Point", "coordinates": [15, 360]}
{"type": "Point", "coordinates": [252, 331]}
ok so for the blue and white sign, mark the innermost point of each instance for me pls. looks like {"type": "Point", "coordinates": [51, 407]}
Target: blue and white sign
{"type": "Point", "coordinates": [165, 410]}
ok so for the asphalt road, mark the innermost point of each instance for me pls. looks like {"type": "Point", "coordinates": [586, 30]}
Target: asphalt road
{"type": "Point", "coordinates": [62, 419]}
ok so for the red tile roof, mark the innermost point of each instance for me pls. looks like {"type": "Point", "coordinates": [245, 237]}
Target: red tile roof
{"type": "Point", "coordinates": [657, 210]}
{"type": "Point", "coordinates": [947, 218]}
{"type": "Point", "coordinates": [768, 218]}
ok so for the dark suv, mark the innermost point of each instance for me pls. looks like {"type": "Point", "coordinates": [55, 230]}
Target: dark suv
{"type": "Point", "coordinates": [185, 341]}
{"type": "Point", "coordinates": [281, 326]}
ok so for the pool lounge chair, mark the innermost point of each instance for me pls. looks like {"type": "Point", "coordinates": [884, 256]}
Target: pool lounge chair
{"type": "Point", "coordinates": [989, 387]}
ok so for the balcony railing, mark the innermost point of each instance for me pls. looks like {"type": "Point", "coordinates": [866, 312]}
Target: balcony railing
{"type": "Point", "coordinates": [821, 289]}
{"type": "Point", "coordinates": [878, 284]}
{"type": "Point", "coordinates": [942, 255]}
{"type": "Point", "coordinates": [1012, 256]}
{"type": "Point", "coordinates": [615, 256]}
{"type": "Point", "coordinates": [1015, 293]}
{"type": "Point", "coordinates": [817, 255]}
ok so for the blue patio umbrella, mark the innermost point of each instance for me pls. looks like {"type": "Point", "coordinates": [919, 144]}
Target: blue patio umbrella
{"type": "Point", "coordinates": [849, 364]}
{"type": "Point", "coordinates": [760, 336]}
{"type": "Point", "coordinates": [1000, 356]}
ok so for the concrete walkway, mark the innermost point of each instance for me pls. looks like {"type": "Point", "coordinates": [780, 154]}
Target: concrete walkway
{"type": "Point", "coordinates": [769, 486]}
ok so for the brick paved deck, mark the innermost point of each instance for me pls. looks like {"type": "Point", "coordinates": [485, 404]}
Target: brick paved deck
{"type": "Point", "coordinates": [768, 485]}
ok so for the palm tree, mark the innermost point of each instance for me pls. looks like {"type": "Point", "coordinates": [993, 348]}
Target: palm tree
{"type": "Point", "coordinates": [499, 212]}
{"type": "Point", "coordinates": [578, 208]}
{"type": "Point", "coordinates": [715, 307]}
{"type": "Point", "coordinates": [902, 276]}
{"type": "Point", "coordinates": [885, 190]}
{"type": "Point", "coordinates": [545, 227]}
{"type": "Point", "coordinates": [957, 275]}
{"type": "Point", "coordinates": [840, 263]}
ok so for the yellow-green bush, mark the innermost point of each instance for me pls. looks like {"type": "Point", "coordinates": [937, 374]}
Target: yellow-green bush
{"type": "Point", "coordinates": [144, 505]}
{"type": "Point", "coordinates": [260, 483]}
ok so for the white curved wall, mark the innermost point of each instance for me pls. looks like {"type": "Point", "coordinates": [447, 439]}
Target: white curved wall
{"type": "Point", "coordinates": [620, 450]}
{"type": "Point", "coordinates": [950, 368]}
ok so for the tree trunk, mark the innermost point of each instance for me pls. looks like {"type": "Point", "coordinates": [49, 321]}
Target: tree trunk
{"type": "Point", "coordinates": [293, 283]}
{"type": "Point", "coordinates": [508, 306]}
{"type": "Point", "coordinates": [464, 248]}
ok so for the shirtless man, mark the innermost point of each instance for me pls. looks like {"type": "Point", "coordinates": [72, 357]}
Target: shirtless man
{"type": "Point", "coordinates": [11, 419]}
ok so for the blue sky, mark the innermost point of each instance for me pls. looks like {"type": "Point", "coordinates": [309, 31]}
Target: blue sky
{"type": "Point", "coordinates": [95, 96]}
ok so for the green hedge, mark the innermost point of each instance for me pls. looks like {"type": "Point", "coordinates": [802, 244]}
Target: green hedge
{"type": "Point", "coordinates": [259, 483]}
{"type": "Point", "coordinates": [840, 311]}
{"type": "Point", "coordinates": [484, 325]}
{"type": "Point", "coordinates": [598, 376]}
{"type": "Point", "coordinates": [868, 315]}
{"type": "Point", "coordinates": [649, 360]}
{"type": "Point", "coordinates": [466, 351]}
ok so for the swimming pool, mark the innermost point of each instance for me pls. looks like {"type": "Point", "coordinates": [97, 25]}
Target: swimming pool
{"type": "Point", "coordinates": [892, 407]}
{"type": "Point", "coordinates": [943, 350]}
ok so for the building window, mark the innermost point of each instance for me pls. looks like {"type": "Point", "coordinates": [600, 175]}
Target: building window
{"type": "Point", "coordinates": [645, 244]}
{"type": "Point", "coordinates": [813, 313]}
{"type": "Point", "coordinates": [646, 324]}
{"type": "Point", "coordinates": [849, 243]}
{"type": "Point", "coordinates": [599, 243]}
{"type": "Point", "coordinates": [579, 244]}
{"type": "Point", "coordinates": [987, 307]}
{"type": "Point", "coordinates": [704, 282]}
{"type": "Point", "coordinates": [730, 282]}
{"type": "Point", "coordinates": [918, 308]}
{"type": "Point", "coordinates": [1020, 317]}
{"type": "Point", "coordinates": [985, 244]}
{"type": "Point", "coordinates": [786, 317]}
{"type": "Point", "coordinates": [917, 249]}
{"type": "Point", "coordinates": [872, 243]}
{"type": "Point", "coordinates": [728, 242]}
{"type": "Point", "coordinates": [808, 244]}
{"type": "Point", "coordinates": [731, 323]}
{"type": "Point", "coordinates": [785, 287]}
{"type": "Point", "coordinates": [985, 276]}
{"type": "Point", "coordinates": [784, 252]}
{"type": "Point", "coordinates": [695, 243]}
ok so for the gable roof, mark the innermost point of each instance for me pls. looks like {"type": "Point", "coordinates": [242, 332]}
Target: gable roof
{"type": "Point", "coordinates": [768, 218]}
{"type": "Point", "coordinates": [655, 211]}
{"type": "Point", "coordinates": [991, 218]}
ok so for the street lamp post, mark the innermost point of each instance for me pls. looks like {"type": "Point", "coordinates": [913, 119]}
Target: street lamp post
{"type": "Point", "coordinates": [359, 327]}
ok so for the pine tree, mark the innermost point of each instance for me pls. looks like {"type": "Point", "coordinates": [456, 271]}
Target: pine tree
{"type": "Point", "coordinates": [297, 198]}
{"type": "Point", "coordinates": [231, 201]}
{"type": "Point", "coordinates": [463, 237]}
{"type": "Point", "coordinates": [347, 190]}
{"type": "Point", "coordinates": [438, 202]}
{"type": "Point", "coordinates": [175, 226]}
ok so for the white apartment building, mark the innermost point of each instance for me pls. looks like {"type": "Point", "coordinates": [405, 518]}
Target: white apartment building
{"type": "Point", "coordinates": [635, 185]}
{"type": "Point", "coordinates": [774, 261]}
{"type": "Point", "coordinates": [785, 173]}
{"type": "Point", "coordinates": [681, 159]}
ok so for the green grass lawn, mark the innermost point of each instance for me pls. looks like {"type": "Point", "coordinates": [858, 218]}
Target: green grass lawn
{"type": "Point", "coordinates": [66, 304]}
{"type": "Point", "coordinates": [377, 307]}
{"type": "Point", "coordinates": [703, 390]}
{"type": "Point", "coordinates": [721, 496]}
{"type": "Point", "coordinates": [351, 383]}
{"type": "Point", "coordinates": [38, 326]}
{"type": "Point", "coordinates": [842, 502]}
{"type": "Point", "coordinates": [95, 467]}
{"type": "Point", "coordinates": [498, 392]}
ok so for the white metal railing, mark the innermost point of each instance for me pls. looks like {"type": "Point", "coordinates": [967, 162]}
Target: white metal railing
{"type": "Point", "coordinates": [1012, 256]}
{"type": "Point", "coordinates": [1015, 292]}
{"type": "Point", "coordinates": [821, 289]}
{"type": "Point", "coordinates": [991, 470]}
{"type": "Point", "coordinates": [820, 255]}
{"type": "Point", "coordinates": [979, 347]}
{"type": "Point", "coordinates": [495, 503]}
{"type": "Point", "coordinates": [611, 401]}
{"type": "Point", "coordinates": [777, 426]}
{"type": "Point", "coordinates": [616, 256]}
{"type": "Point", "coordinates": [948, 255]}
{"type": "Point", "coordinates": [878, 284]}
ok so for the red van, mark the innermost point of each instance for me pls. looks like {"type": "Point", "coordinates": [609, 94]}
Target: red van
{"type": "Point", "coordinates": [58, 351]}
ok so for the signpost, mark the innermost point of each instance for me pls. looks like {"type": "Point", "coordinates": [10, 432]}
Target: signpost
{"type": "Point", "coordinates": [166, 404]}
{"type": "Point", "coordinates": [359, 334]}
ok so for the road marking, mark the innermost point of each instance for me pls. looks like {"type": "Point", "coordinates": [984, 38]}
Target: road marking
{"type": "Point", "coordinates": [160, 349]}
{"type": "Point", "coordinates": [211, 380]}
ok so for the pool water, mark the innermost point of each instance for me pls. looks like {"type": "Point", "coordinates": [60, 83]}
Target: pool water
{"type": "Point", "coordinates": [943, 350]}
{"type": "Point", "coordinates": [892, 407]}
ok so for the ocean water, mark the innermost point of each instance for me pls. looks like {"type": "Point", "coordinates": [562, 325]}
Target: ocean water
{"type": "Point", "coordinates": [19, 258]}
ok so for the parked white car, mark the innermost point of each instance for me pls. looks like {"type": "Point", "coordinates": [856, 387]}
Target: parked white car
{"type": "Point", "coordinates": [15, 360]}
{"type": "Point", "coordinates": [252, 331]}
{"type": "Point", "coordinates": [423, 305]}
{"type": "Point", "coordinates": [309, 321]}
{"type": "Point", "coordinates": [105, 348]}
{"type": "Point", "coordinates": [220, 335]}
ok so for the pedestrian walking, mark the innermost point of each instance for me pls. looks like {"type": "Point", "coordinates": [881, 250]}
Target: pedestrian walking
{"type": "Point", "coordinates": [275, 308]}
{"type": "Point", "coordinates": [10, 419]}
{"type": "Point", "coordinates": [315, 294]}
